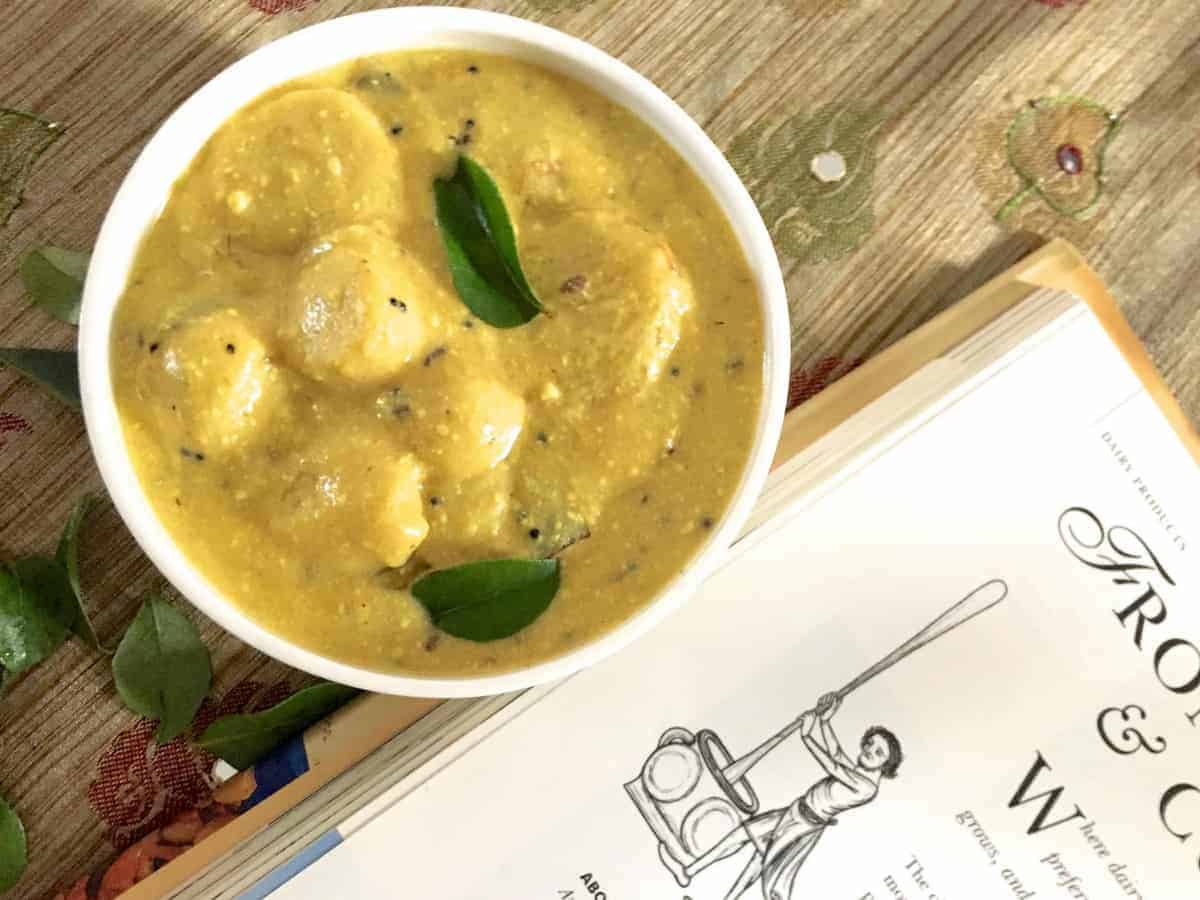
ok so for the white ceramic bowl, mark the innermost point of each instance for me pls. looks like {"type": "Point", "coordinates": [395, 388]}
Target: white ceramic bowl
{"type": "Point", "coordinates": [145, 191]}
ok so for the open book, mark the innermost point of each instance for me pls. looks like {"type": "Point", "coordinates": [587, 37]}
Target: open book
{"type": "Point", "coordinates": [955, 654]}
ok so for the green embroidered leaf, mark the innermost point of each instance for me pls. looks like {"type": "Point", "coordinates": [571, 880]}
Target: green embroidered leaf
{"type": "Point", "coordinates": [1036, 141]}
{"type": "Point", "coordinates": [161, 667]}
{"type": "Point", "coordinates": [810, 219]}
{"type": "Point", "coordinates": [488, 600]}
{"type": "Point", "coordinates": [13, 852]}
{"type": "Point", "coordinates": [482, 247]}
{"type": "Point", "coordinates": [23, 138]}
{"type": "Point", "coordinates": [33, 594]}
{"type": "Point", "coordinates": [242, 740]}
{"type": "Point", "coordinates": [55, 370]}
{"type": "Point", "coordinates": [68, 558]}
{"type": "Point", "coordinates": [54, 280]}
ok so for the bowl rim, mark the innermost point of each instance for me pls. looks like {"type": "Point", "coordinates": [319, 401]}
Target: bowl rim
{"type": "Point", "coordinates": [310, 50]}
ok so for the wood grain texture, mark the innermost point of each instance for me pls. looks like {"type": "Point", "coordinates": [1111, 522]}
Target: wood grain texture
{"type": "Point", "coordinates": [945, 76]}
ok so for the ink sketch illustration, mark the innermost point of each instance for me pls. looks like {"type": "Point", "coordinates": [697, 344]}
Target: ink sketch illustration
{"type": "Point", "coordinates": [698, 801]}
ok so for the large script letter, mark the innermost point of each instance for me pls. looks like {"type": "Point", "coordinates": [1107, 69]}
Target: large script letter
{"type": "Point", "coordinates": [1049, 798]}
{"type": "Point", "coordinates": [1119, 549]}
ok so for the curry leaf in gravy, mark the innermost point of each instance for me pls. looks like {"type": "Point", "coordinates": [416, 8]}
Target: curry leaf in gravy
{"type": "Point", "coordinates": [53, 280]}
{"type": "Point", "coordinates": [161, 667]}
{"type": "Point", "coordinates": [55, 370]}
{"type": "Point", "coordinates": [241, 740]}
{"type": "Point", "coordinates": [491, 599]}
{"type": "Point", "coordinates": [33, 594]}
{"type": "Point", "coordinates": [482, 247]}
{"type": "Point", "coordinates": [13, 852]}
{"type": "Point", "coordinates": [67, 557]}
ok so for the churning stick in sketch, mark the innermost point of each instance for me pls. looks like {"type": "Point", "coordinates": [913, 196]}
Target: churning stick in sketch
{"type": "Point", "coordinates": [783, 837]}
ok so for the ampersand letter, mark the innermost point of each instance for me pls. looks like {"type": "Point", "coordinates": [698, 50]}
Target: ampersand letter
{"type": "Point", "coordinates": [1130, 740]}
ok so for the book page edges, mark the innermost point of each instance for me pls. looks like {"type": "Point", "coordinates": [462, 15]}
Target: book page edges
{"type": "Point", "coordinates": [1058, 265]}
{"type": "Point", "coordinates": [333, 747]}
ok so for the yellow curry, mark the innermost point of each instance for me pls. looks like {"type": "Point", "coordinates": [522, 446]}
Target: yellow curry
{"type": "Point", "coordinates": [318, 418]}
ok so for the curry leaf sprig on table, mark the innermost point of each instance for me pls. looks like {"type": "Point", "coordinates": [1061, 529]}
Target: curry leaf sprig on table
{"type": "Point", "coordinates": [490, 599]}
{"type": "Point", "coordinates": [13, 852]}
{"type": "Point", "coordinates": [42, 601]}
{"type": "Point", "coordinates": [55, 370]}
{"type": "Point", "coordinates": [161, 667]}
{"type": "Point", "coordinates": [67, 556]}
{"type": "Point", "coordinates": [481, 246]}
{"type": "Point", "coordinates": [30, 625]}
{"type": "Point", "coordinates": [243, 739]}
{"type": "Point", "coordinates": [53, 280]}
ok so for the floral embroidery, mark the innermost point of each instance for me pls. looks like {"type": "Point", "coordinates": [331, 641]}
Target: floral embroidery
{"type": "Point", "coordinates": [11, 423]}
{"type": "Point", "coordinates": [23, 138]}
{"type": "Point", "coordinates": [1056, 147]}
{"type": "Point", "coordinates": [142, 859]}
{"type": "Point", "coordinates": [808, 382]}
{"type": "Point", "coordinates": [140, 786]}
{"type": "Point", "coordinates": [813, 179]}
{"type": "Point", "coordinates": [271, 7]}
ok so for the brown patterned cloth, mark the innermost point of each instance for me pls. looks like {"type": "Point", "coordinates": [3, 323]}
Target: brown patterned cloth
{"type": "Point", "coordinates": [162, 845]}
{"type": "Point", "coordinates": [946, 77]}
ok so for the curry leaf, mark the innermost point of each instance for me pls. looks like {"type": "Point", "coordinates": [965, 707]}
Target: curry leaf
{"type": "Point", "coordinates": [161, 668]}
{"type": "Point", "coordinates": [55, 370]}
{"type": "Point", "coordinates": [13, 853]}
{"type": "Point", "coordinates": [76, 617]}
{"type": "Point", "coordinates": [46, 582]}
{"type": "Point", "coordinates": [482, 247]}
{"type": "Point", "coordinates": [32, 594]}
{"type": "Point", "coordinates": [241, 740]}
{"type": "Point", "coordinates": [491, 599]}
{"type": "Point", "coordinates": [54, 280]}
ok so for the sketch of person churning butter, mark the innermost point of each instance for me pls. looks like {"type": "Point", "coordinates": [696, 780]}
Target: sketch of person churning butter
{"type": "Point", "coordinates": [783, 838]}
{"type": "Point", "coordinates": [698, 801]}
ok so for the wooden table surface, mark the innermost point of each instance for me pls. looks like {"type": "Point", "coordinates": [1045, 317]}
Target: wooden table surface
{"type": "Point", "coordinates": [918, 96]}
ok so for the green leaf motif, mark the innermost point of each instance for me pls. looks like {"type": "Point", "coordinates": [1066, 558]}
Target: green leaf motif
{"type": "Point", "coordinates": [488, 600]}
{"type": "Point", "coordinates": [57, 371]}
{"type": "Point", "coordinates": [68, 558]}
{"type": "Point", "coordinates": [1033, 140]}
{"type": "Point", "coordinates": [13, 852]}
{"type": "Point", "coordinates": [811, 220]}
{"type": "Point", "coordinates": [242, 740]}
{"type": "Point", "coordinates": [23, 138]}
{"type": "Point", "coordinates": [161, 667]}
{"type": "Point", "coordinates": [33, 596]}
{"type": "Point", "coordinates": [481, 247]}
{"type": "Point", "coordinates": [53, 280]}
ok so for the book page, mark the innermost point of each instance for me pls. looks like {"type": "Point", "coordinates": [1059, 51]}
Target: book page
{"type": "Point", "coordinates": [971, 670]}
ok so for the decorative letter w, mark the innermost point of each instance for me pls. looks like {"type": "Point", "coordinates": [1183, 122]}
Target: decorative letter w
{"type": "Point", "coordinates": [1049, 798]}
